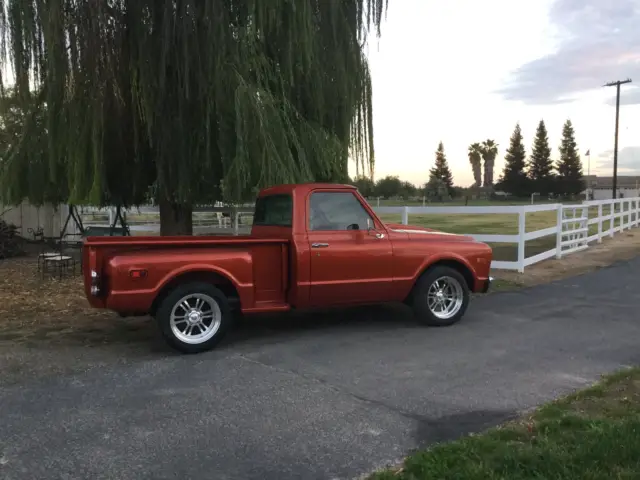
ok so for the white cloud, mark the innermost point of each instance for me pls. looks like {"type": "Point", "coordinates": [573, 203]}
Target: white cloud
{"type": "Point", "coordinates": [599, 41]}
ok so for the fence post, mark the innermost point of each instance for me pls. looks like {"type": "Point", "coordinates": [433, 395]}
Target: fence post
{"type": "Point", "coordinates": [521, 239]}
{"type": "Point", "coordinates": [612, 222]}
{"type": "Point", "coordinates": [600, 223]}
{"type": "Point", "coordinates": [405, 215]}
{"type": "Point", "coordinates": [559, 232]}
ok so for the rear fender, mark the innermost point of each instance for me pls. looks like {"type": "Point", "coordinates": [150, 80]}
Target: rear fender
{"type": "Point", "coordinates": [143, 298]}
{"type": "Point", "coordinates": [201, 273]}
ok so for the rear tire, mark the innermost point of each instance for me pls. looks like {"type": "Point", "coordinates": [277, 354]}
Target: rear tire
{"type": "Point", "coordinates": [440, 297]}
{"type": "Point", "coordinates": [194, 317]}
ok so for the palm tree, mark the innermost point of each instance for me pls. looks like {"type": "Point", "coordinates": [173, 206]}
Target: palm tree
{"type": "Point", "coordinates": [475, 159]}
{"type": "Point", "coordinates": [489, 154]}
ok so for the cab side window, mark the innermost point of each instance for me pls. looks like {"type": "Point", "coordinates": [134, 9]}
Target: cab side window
{"type": "Point", "coordinates": [337, 211]}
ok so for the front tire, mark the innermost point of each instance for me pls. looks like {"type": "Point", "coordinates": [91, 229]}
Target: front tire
{"type": "Point", "coordinates": [440, 297]}
{"type": "Point", "coordinates": [194, 317]}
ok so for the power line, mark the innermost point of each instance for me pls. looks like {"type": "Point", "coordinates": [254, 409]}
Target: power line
{"type": "Point", "coordinates": [615, 145]}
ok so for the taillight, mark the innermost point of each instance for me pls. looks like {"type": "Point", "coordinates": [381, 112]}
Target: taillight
{"type": "Point", "coordinates": [95, 283]}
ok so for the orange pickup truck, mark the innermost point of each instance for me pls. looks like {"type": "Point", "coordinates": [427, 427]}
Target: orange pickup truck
{"type": "Point", "coordinates": [311, 245]}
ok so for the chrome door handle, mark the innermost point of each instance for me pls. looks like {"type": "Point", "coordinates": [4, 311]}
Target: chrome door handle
{"type": "Point", "coordinates": [379, 235]}
{"type": "Point", "coordinates": [319, 245]}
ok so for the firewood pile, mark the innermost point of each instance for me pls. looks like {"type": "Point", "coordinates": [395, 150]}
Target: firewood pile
{"type": "Point", "coordinates": [10, 241]}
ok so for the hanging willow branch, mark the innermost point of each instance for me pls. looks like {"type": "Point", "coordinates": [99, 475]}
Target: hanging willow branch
{"type": "Point", "coordinates": [202, 98]}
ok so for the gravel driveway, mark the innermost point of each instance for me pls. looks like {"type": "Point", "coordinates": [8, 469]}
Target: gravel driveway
{"type": "Point", "coordinates": [316, 396]}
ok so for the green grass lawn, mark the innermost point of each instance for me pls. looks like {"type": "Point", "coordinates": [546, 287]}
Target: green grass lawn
{"type": "Point", "coordinates": [593, 434]}
{"type": "Point", "coordinates": [506, 224]}
{"type": "Point", "coordinates": [458, 202]}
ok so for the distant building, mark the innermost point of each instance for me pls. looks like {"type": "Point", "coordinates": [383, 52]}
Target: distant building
{"type": "Point", "coordinates": [601, 188]}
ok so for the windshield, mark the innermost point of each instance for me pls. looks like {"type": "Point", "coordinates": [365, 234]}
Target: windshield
{"type": "Point", "coordinates": [274, 211]}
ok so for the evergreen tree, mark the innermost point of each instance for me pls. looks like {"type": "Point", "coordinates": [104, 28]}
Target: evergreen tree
{"type": "Point", "coordinates": [514, 180]}
{"type": "Point", "coordinates": [570, 174]}
{"type": "Point", "coordinates": [540, 163]}
{"type": "Point", "coordinates": [440, 173]}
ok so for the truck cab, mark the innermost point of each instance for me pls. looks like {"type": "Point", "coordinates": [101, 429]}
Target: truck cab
{"type": "Point", "coordinates": [311, 245]}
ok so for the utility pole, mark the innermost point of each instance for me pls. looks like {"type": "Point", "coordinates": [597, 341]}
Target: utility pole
{"type": "Point", "coordinates": [615, 147]}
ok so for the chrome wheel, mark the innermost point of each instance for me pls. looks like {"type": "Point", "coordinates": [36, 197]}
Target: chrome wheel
{"type": "Point", "coordinates": [445, 297]}
{"type": "Point", "coordinates": [195, 318]}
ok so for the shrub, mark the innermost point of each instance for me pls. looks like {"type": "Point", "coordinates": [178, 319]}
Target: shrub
{"type": "Point", "coordinates": [10, 241]}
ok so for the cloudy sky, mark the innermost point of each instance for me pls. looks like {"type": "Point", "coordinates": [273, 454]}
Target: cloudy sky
{"type": "Point", "coordinates": [463, 71]}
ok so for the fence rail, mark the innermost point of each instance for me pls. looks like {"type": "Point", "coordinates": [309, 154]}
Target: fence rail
{"type": "Point", "coordinates": [569, 229]}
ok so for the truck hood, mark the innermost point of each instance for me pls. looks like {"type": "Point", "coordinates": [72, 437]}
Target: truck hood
{"type": "Point", "coordinates": [399, 228]}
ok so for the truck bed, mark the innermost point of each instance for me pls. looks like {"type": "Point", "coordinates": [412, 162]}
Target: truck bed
{"type": "Point", "coordinates": [134, 272]}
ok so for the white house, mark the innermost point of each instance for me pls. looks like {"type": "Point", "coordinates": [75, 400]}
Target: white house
{"type": "Point", "coordinates": [601, 188]}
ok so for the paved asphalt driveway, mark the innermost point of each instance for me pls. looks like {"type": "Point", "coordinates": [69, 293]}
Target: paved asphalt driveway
{"type": "Point", "coordinates": [320, 396]}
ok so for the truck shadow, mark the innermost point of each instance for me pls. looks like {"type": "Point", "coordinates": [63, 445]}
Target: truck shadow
{"type": "Point", "coordinates": [274, 328]}
{"type": "Point", "coordinates": [140, 336]}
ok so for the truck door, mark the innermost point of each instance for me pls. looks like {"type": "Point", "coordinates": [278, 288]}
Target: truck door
{"type": "Point", "coordinates": [349, 263]}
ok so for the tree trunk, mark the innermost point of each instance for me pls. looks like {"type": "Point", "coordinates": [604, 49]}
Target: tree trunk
{"type": "Point", "coordinates": [477, 173]}
{"type": "Point", "coordinates": [490, 172]}
{"type": "Point", "coordinates": [175, 219]}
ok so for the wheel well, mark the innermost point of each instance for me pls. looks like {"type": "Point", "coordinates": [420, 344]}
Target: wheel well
{"type": "Point", "coordinates": [456, 265]}
{"type": "Point", "coordinates": [224, 284]}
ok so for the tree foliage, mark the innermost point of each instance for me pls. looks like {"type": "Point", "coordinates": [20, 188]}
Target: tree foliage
{"type": "Point", "coordinates": [514, 179]}
{"type": "Point", "coordinates": [201, 99]}
{"type": "Point", "coordinates": [365, 185]}
{"type": "Point", "coordinates": [540, 164]}
{"type": "Point", "coordinates": [570, 174]}
{"type": "Point", "coordinates": [24, 162]}
{"type": "Point", "coordinates": [440, 175]}
{"type": "Point", "coordinates": [475, 159]}
{"type": "Point", "coordinates": [489, 152]}
{"type": "Point", "coordinates": [389, 186]}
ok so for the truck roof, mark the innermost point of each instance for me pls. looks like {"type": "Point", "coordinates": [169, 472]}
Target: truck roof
{"type": "Point", "coordinates": [303, 188]}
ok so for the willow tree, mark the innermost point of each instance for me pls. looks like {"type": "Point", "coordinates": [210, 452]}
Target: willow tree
{"type": "Point", "coordinates": [199, 99]}
{"type": "Point", "coordinates": [24, 163]}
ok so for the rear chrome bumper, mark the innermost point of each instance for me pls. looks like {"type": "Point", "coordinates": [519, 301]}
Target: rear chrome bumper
{"type": "Point", "coordinates": [487, 285]}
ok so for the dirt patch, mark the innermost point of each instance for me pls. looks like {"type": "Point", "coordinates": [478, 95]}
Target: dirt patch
{"type": "Point", "coordinates": [34, 310]}
{"type": "Point", "coordinates": [623, 246]}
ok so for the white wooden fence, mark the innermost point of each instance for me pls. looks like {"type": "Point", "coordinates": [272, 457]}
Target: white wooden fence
{"type": "Point", "coordinates": [571, 227]}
